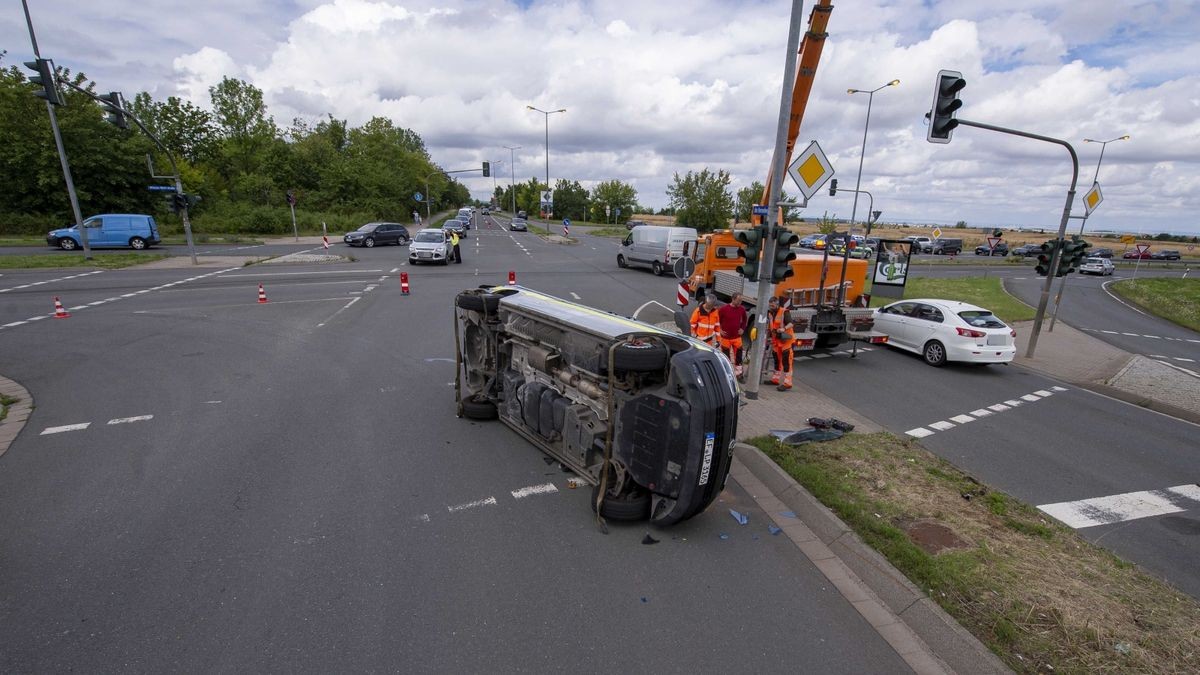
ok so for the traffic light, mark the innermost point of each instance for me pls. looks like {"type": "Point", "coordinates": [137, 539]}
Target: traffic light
{"type": "Point", "coordinates": [832, 187]}
{"type": "Point", "coordinates": [784, 255]}
{"type": "Point", "coordinates": [1045, 257]}
{"type": "Point", "coordinates": [114, 104]}
{"type": "Point", "coordinates": [45, 78]}
{"type": "Point", "coordinates": [1072, 256]}
{"type": "Point", "coordinates": [752, 244]}
{"type": "Point", "coordinates": [487, 169]}
{"type": "Point", "coordinates": [945, 106]}
{"type": "Point", "coordinates": [997, 234]}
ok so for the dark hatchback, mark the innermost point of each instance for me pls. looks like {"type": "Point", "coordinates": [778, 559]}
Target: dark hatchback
{"type": "Point", "coordinates": [378, 233]}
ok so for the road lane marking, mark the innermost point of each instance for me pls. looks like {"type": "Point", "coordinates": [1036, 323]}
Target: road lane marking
{"type": "Point", "coordinates": [962, 419]}
{"type": "Point", "coordinates": [1031, 397]}
{"type": "Point", "coordinates": [290, 274]}
{"type": "Point", "coordinates": [1123, 507]}
{"type": "Point", "coordinates": [1058, 388]}
{"type": "Point", "coordinates": [999, 407]}
{"type": "Point", "coordinates": [942, 426]}
{"type": "Point", "coordinates": [66, 427]}
{"type": "Point", "coordinates": [344, 308]}
{"type": "Point", "coordinates": [127, 420]}
{"type": "Point", "coordinates": [542, 489]}
{"type": "Point", "coordinates": [48, 281]}
{"type": "Point", "coordinates": [982, 412]}
{"type": "Point", "coordinates": [490, 501]}
{"type": "Point", "coordinates": [1012, 403]}
{"type": "Point", "coordinates": [1042, 392]}
{"type": "Point", "coordinates": [575, 295]}
{"type": "Point", "coordinates": [919, 432]}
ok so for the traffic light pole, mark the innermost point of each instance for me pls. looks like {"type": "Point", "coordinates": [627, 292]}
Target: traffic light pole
{"type": "Point", "coordinates": [1062, 225]}
{"type": "Point", "coordinates": [58, 142]}
{"type": "Point", "coordinates": [1062, 285]}
{"type": "Point", "coordinates": [774, 192]}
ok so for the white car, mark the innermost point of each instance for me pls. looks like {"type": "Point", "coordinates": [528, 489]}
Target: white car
{"type": "Point", "coordinates": [430, 246]}
{"type": "Point", "coordinates": [1101, 266]}
{"type": "Point", "coordinates": [947, 330]}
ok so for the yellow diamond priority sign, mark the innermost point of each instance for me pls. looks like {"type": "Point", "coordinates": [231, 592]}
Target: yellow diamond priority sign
{"type": "Point", "coordinates": [1093, 198]}
{"type": "Point", "coordinates": [810, 170]}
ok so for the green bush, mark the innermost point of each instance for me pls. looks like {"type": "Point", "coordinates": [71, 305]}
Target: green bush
{"type": "Point", "coordinates": [23, 223]}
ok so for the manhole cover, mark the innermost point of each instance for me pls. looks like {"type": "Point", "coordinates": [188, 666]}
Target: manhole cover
{"type": "Point", "coordinates": [934, 537]}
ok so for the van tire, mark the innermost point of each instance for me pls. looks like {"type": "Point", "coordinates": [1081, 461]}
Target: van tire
{"type": "Point", "coordinates": [478, 407]}
{"type": "Point", "coordinates": [657, 268]}
{"type": "Point", "coordinates": [632, 506]}
{"type": "Point", "coordinates": [137, 243]}
{"type": "Point", "coordinates": [67, 244]}
{"type": "Point", "coordinates": [621, 261]}
{"type": "Point", "coordinates": [642, 357]}
{"type": "Point", "coordinates": [487, 303]}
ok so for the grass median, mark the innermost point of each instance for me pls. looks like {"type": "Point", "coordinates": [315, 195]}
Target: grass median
{"type": "Point", "coordinates": [986, 292]}
{"type": "Point", "coordinates": [107, 261]}
{"type": "Point", "coordinates": [1176, 300]}
{"type": "Point", "coordinates": [1034, 591]}
{"type": "Point", "coordinates": [5, 402]}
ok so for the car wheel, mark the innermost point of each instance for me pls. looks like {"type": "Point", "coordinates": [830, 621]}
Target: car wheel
{"type": "Point", "coordinates": [478, 407]}
{"type": "Point", "coordinates": [657, 268]}
{"type": "Point", "coordinates": [369, 242]}
{"type": "Point", "coordinates": [137, 243]}
{"type": "Point", "coordinates": [67, 244]}
{"type": "Point", "coordinates": [402, 241]}
{"type": "Point", "coordinates": [640, 357]}
{"type": "Point", "coordinates": [478, 302]}
{"type": "Point", "coordinates": [621, 262]}
{"type": "Point", "coordinates": [934, 353]}
{"type": "Point", "coordinates": [631, 506]}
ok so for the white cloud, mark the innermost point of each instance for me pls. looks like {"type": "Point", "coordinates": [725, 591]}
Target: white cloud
{"type": "Point", "coordinates": [200, 70]}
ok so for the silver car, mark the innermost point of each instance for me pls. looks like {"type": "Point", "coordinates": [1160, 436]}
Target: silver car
{"type": "Point", "coordinates": [1100, 266]}
{"type": "Point", "coordinates": [431, 245]}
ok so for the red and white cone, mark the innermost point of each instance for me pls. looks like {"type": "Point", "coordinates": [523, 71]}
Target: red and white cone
{"type": "Point", "coordinates": [512, 278]}
{"type": "Point", "coordinates": [60, 312]}
{"type": "Point", "coordinates": [325, 241]}
{"type": "Point", "coordinates": [404, 283]}
{"type": "Point", "coordinates": [681, 294]}
{"type": "Point", "coordinates": [262, 294]}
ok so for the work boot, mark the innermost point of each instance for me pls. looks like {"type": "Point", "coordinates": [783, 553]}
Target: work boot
{"type": "Point", "coordinates": [787, 383]}
{"type": "Point", "coordinates": [775, 377]}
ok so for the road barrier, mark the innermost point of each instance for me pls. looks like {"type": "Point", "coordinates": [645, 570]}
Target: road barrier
{"type": "Point", "coordinates": [681, 294]}
{"type": "Point", "coordinates": [404, 283]}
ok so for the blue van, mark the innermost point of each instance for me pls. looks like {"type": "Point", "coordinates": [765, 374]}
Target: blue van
{"type": "Point", "coordinates": [110, 230]}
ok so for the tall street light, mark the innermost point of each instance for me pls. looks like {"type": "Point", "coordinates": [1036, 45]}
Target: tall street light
{"type": "Point", "coordinates": [1103, 144]}
{"type": "Point", "coordinates": [546, 117]}
{"type": "Point", "coordinates": [512, 176]}
{"type": "Point", "coordinates": [857, 184]}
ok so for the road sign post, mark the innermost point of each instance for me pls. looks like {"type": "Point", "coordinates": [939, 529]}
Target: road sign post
{"type": "Point", "coordinates": [291, 200]}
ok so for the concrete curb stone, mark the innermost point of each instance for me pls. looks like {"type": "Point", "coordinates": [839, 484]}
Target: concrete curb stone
{"type": "Point", "coordinates": [18, 413]}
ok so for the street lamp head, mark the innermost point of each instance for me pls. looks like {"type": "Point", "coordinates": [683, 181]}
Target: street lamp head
{"type": "Point", "coordinates": [561, 110]}
{"type": "Point", "coordinates": [1124, 138]}
{"type": "Point", "coordinates": [529, 107]}
{"type": "Point", "coordinates": [852, 91]}
{"type": "Point", "coordinates": [893, 83]}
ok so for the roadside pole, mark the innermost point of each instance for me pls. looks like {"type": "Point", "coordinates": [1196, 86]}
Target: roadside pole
{"type": "Point", "coordinates": [774, 192]}
{"type": "Point", "coordinates": [291, 200]}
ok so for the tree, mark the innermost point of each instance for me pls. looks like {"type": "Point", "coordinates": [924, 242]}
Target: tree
{"type": "Point", "coordinates": [570, 200]}
{"type": "Point", "coordinates": [187, 130]}
{"type": "Point", "coordinates": [747, 197]}
{"type": "Point", "coordinates": [701, 200]}
{"type": "Point", "coordinates": [613, 195]}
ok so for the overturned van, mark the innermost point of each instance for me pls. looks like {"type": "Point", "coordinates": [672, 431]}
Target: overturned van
{"type": "Point", "coordinates": [646, 416]}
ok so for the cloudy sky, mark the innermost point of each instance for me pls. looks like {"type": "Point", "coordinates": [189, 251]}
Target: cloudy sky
{"type": "Point", "coordinates": [653, 88]}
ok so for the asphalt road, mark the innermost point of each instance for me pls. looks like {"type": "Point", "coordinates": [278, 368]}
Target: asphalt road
{"type": "Point", "coordinates": [209, 483]}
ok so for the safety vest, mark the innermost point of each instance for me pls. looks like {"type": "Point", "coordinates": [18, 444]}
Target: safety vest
{"type": "Point", "coordinates": [788, 337]}
{"type": "Point", "coordinates": [705, 325]}
{"type": "Point", "coordinates": [453, 238]}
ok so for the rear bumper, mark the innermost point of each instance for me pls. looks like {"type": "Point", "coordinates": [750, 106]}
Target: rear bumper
{"type": "Point", "coordinates": [977, 354]}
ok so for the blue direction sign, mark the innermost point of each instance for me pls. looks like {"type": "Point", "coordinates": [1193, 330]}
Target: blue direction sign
{"type": "Point", "coordinates": [759, 209]}
{"type": "Point", "coordinates": [162, 188]}
{"type": "Point", "coordinates": [419, 197]}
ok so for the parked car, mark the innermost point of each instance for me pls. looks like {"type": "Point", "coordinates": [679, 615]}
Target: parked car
{"type": "Point", "coordinates": [810, 241]}
{"type": "Point", "coordinates": [1101, 253]}
{"type": "Point", "coordinates": [647, 416]}
{"type": "Point", "coordinates": [371, 234]}
{"type": "Point", "coordinates": [1026, 250]}
{"type": "Point", "coordinates": [1100, 266]}
{"type": "Point", "coordinates": [430, 245]}
{"type": "Point", "coordinates": [1135, 254]}
{"type": "Point", "coordinates": [518, 225]}
{"type": "Point", "coordinates": [945, 247]}
{"type": "Point", "coordinates": [629, 225]}
{"type": "Point", "coordinates": [109, 230]}
{"type": "Point", "coordinates": [1165, 255]}
{"type": "Point", "coordinates": [1000, 249]}
{"type": "Point", "coordinates": [947, 330]}
{"type": "Point", "coordinates": [656, 247]}
{"type": "Point", "coordinates": [457, 226]}
{"type": "Point", "coordinates": [920, 244]}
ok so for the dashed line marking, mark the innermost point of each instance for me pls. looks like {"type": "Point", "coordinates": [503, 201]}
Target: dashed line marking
{"type": "Point", "coordinates": [1122, 507]}
{"type": "Point", "coordinates": [820, 356]}
{"type": "Point", "coordinates": [1012, 404]}
{"type": "Point", "coordinates": [574, 295]}
{"type": "Point", "coordinates": [999, 407]}
{"type": "Point", "coordinates": [1031, 397]}
{"type": "Point", "coordinates": [982, 412]}
{"type": "Point", "coordinates": [962, 419]}
{"type": "Point", "coordinates": [545, 488]}
{"type": "Point", "coordinates": [127, 420]}
{"type": "Point", "coordinates": [66, 427]}
{"type": "Point", "coordinates": [490, 501]}
{"type": "Point", "coordinates": [1058, 388]}
{"type": "Point", "coordinates": [919, 432]}
{"type": "Point", "coordinates": [942, 426]}
{"type": "Point", "coordinates": [49, 281]}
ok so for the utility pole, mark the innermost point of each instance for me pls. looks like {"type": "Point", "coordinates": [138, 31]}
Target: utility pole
{"type": "Point", "coordinates": [512, 175]}
{"type": "Point", "coordinates": [774, 193]}
{"type": "Point", "coordinates": [62, 151]}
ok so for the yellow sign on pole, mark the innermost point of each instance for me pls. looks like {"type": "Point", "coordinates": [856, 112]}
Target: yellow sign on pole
{"type": "Point", "coordinates": [810, 170]}
{"type": "Point", "coordinates": [1093, 198]}
{"type": "Point", "coordinates": [937, 233]}
{"type": "Point", "coordinates": [1128, 239]}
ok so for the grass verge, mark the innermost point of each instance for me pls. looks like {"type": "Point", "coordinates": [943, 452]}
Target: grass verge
{"type": "Point", "coordinates": [5, 402]}
{"type": "Point", "coordinates": [1034, 591]}
{"type": "Point", "coordinates": [986, 292]}
{"type": "Point", "coordinates": [615, 232]}
{"type": "Point", "coordinates": [205, 238]}
{"type": "Point", "coordinates": [1176, 300]}
{"type": "Point", "coordinates": [108, 261]}
{"type": "Point", "coordinates": [22, 241]}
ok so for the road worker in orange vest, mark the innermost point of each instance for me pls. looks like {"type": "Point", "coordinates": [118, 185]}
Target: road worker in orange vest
{"type": "Point", "coordinates": [706, 322]}
{"type": "Point", "coordinates": [782, 339]}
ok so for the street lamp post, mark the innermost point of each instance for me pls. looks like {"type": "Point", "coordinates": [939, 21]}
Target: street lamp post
{"type": "Point", "coordinates": [512, 175]}
{"type": "Point", "coordinates": [857, 183]}
{"type": "Point", "coordinates": [546, 117]}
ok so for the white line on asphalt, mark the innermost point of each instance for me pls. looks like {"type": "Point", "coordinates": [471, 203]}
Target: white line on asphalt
{"type": "Point", "coordinates": [1058, 388]}
{"type": "Point", "coordinates": [48, 281]}
{"type": "Point", "coordinates": [942, 426]}
{"type": "Point", "coordinates": [346, 307]}
{"type": "Point", "coordinates": [919, 432]}
{"type": "Point", "coordinates": [15, 323]}
{"type": "Point", "coordinates": [1031, 397]}
{"type": "Point", "coordinates": [962, 419]}
{"type": "Point", "coordinates": [866, 349]}
{"type": "Point", "coordinates": [1123, 507]}
{"type": "Point", "coordinates": [804, 358]}
{"type": "Point", "coordinates": [1110, 332]}
{"type": "Point", "coordinates": [290, 274]}
{"type": "Point", "coordinates": [542, 489]}
{"type": "Point", "coordinates": [1181, 368]}
{"type": "Point", "coordinates": [127, 420]}
{"type": "Point", "coordinates": [999, 407]}
{"type": "Point", "coordinates": [574, 295]}
{"type": "Point", "coordinates": [394, 270]}
{"type": "Point", "coordinates": [1042, 392]}
{"type": "Point", "coordinates": [821, 355]}
{"type": "Point", "coordinates": [65, 427]}
{"type": "Point", "coordinates": [1012, 403]}
{"type": "Point", "coordinates": [1155, 337]}
{"type": "Point", "coordinates": [490, 501]}
{"type": "Point", "coordinates": [982, 412]}
{"type": "Point", "coordinates": [1130, 334]}
{"type": "Point", "coordinates": [1104, 287]}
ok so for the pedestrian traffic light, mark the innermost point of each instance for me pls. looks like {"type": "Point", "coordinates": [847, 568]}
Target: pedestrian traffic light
{"type": "Point", "coordinates": [945, 106]}
{"type": "Point", "coordinates": [114, 104]}
{"type": "Point", "coordinates": [45, 78]}
{"type": "Point", "coordinates": [1046, 257]}
{"type": "Point", "coordinates": [752, 241]}
{"type": "Point", "coordinates": [832, 187]}
{"type": "Point", "coordinates": [487, 169]}
{"type": "Point", "coordinates": [784, 255]}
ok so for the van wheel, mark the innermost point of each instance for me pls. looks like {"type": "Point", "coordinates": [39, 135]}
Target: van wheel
{"type": "Point", "coordinates": [657, 268]}
{"type": "Point", "coordinates": [478, 407]}
{"type": "Point", "coordinates": [137, 243]}
{"type": "Point", "coordinates": [478, 302]}
{"type": "Point", "coordinates": [621, 261]}
{"type": "Point", "coordinates": [631, 506]}
{"type": "Point", "coordinates": [934, 353]}
{"type": "Point", "coordinates": [640, 357]}
{"type": "Point", "coordinates": [67, 244]}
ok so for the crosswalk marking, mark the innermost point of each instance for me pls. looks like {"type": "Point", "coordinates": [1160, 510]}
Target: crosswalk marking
{"type": "Point", "coordinates": [1122, 507]}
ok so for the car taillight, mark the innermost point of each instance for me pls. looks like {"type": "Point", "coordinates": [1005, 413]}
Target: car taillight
{"type": "Point", "coordinates": [1013, 333]}
{"type": "Point", "coordinates": [967, 332]}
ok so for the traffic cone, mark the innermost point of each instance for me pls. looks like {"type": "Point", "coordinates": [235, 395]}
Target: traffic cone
{"type": "Point", "coordinates": [262, 295]}
{"type": "Point", "coordinates": [60, 312]}
{"type": "Point", "coordinates": [512, 278]}
{"type": "Point", "coordinates": [404, 283]}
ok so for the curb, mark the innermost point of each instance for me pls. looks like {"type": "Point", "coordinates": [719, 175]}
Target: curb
{"type": "Point", "coordinates": [18, 413]}
{"type": "Point", "coordinates": [921, 632]}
